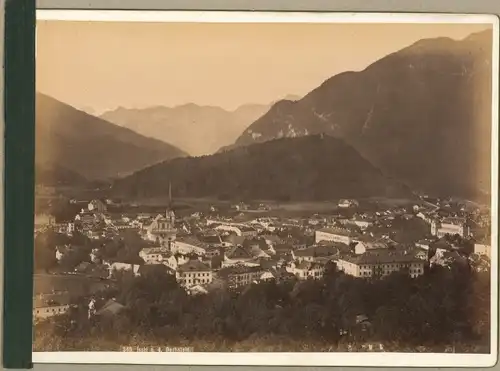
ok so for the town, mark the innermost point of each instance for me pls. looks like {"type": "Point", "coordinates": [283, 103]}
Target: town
{"type": "Point", "coordinates": [241, 246]}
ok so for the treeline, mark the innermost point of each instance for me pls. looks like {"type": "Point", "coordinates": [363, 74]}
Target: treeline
{"type": "Point", "coordinates": [445, 307]}
{"type": "Point", "coordinates": [309, 168]}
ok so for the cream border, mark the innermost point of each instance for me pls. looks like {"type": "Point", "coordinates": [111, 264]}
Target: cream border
{"type": "Point", "coordinates": [302, 359]}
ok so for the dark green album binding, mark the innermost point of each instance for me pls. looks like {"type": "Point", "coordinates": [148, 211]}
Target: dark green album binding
{"type": "Point", "coordinates": [19, 114]}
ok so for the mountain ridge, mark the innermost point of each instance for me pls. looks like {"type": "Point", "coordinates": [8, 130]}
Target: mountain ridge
{"type": "Point", "coordinates": [400, 97]}
{"type": "Point", "coordinates": [305, 168]}
{"type": "Point", "coordinates": [197, 129]}
{"type": "Point", "coordinates": [67, 138]}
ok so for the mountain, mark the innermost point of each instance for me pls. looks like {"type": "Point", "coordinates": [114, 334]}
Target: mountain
{"type": "Point", "coordinates": [199, 130]}
{"type": "Point", "coordinates": [305, 168]}
{"type": "Point", "coordinates": [50, 174]}
{"type": "Point", "coordinates": [421, 114]}
{"type": "Point", "coordinates": [69, 141]}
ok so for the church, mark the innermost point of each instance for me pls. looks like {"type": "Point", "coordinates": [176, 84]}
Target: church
{"type": "Point", "coordinates": [162, 230]}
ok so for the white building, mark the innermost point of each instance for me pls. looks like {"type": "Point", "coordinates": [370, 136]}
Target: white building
{"type": "Point", "coordinates": [381, 264]}
{"type": "Point", "coordinates": [348, 203]}
{"type": "Point", "coordinates": [46, 306]}
{"type": "Point", "coordinates": [187, 246]}
{"type": "Point", "coordinates": [483, 249]}
{"type": "Point", "coordinates": [152, 255]}
{"type": "Point", "coordinates": [450, 226]}
{"type": "Point", "coordinates": [193, 273]}
{"type": "Point", "coordinates": [306, 269]}
{"type": "Point", "coordinates": [336, 235]}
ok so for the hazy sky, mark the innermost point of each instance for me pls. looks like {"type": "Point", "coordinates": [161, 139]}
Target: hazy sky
{"type": "Point", "coordinates": [100, 66]}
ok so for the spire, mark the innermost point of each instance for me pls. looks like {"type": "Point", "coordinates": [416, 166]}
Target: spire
{"type": "Point", "coordinates": [169, 194]}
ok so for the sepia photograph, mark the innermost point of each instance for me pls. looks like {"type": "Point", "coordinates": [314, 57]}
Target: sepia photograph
{"type": "Point", "coordinates": [212, 187]}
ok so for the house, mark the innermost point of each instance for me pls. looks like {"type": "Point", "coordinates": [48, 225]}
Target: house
{"type": "Point", "coordinates": [421, 254]}
{"type": "Point", "coordinates": [97, 206]}
{"type": "Point", "coordinates": [212, 240]}
{"type": "Point", "coordinates": [212, 251]}
{"type": "Point", "coordinates": [236, 255]}
{"type": "Point", "coordinates": [450, 226]}
{"type": "Point", "coordinates": [42, 220]}
{"type": "Point", "coordinates": [119, 266]}
{"type": "Point", "coordinates": [363, 223]}
{"type": "Point", "coordinates": [381, 263]}
{"type": "Point", "coordinates": [193, 273]}
{"type": "Point", "coordinates": [446, 258]}
{"type": "Point", "coordinates": [306, 269]}
{"type": "Point", "coordinates": [348, 203]}
{"type": "Point", "coordinates": [248, 231]}
{"type": "Point", "coordinates": [312, 253]}
{"type": "Point", "coordinates": [240, 275]}
{"type": "Point", "coordinates": [197, 290]}
{"type": "Point", "coordinates": [233, 240]}
{"type": "Point", "coordinates": [188, 245]}
{"type": "Point", "coordinates": [229, 228]}
{"type": "Point", "coordinates": [368, 243]}
{"type": "Point", "coordinates": [425, 243]}
{"type": "Point", "coordinates": [342, 235]}
{"type": "Point", "coordinates": [50, 305]}
{"type": "Point", "coordinates": [483, 248]}
{"type": "Point", "coordinates": [152, 255]}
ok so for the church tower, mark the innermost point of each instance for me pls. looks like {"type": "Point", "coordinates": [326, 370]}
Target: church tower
{"type": "Point", "coordinates": [169, 214]}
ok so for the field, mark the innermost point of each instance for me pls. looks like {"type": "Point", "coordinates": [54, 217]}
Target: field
{"type": "Point", "coordinates": [75, 284]}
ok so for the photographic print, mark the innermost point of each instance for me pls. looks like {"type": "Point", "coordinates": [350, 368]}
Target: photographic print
{"type": "Point", "coordinates": [248, 188]}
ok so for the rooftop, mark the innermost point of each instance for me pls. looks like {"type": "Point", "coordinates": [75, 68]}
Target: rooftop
{"type": "Point", "coordinates": [193, 266]}
{"type": "Point", "coordinates": [308, 266]}
{"type": "Point", "coordinates": [383, 257]}
{"type": "Point", "coordinates": [238, 269]}
{"type": "Point", "coordinates": [339, 231]}
{"type": "Point", "coordinates": [454, 221]}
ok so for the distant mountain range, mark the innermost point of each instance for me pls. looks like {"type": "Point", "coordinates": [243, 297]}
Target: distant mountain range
{"type": "Point", "coordinates": [305, 168]}
{"type": "Point", "coordinates": [198, 130]}
{"type": "Point", "coordinates": [72, 145]}
{"type": "Point", "coordinates": [422, 114]}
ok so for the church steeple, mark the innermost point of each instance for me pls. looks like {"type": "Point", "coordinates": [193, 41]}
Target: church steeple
{"type": "Point", "coordinates": [170, 195]}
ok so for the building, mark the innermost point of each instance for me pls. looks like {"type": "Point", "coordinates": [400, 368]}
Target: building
{"type": "Point", "coordinates": [97, 206]}
{"type": "Point", "coordinates": [47, 305]}
{"type": "Point", "coordinates": [363, 223]}
{"type": "Point", "coordinates": [334, 234]}
{"type": "Point", "coordinates": [248, 231]}
{"type": "Point", "coordinates": [240, 275]}
{"type": "Point", "coordinates": [483, 249]}
{"type": "Point", "coordinates": [119, 266]}
{"type": "Point", "coordinates": [162, 228]}
{"type": "Point", "coordinates": [152, 255]}
{"type": "Point", "coordinates": [188, 245]}
{"type": "Point", "coordinates": [306, 269]}
{"type": "Point", "coordinates": [312, 253]}
{"type": "Point", "coordinates": [425, 243]}
{"type": "Point", "coordinates": [381, 263]}
{"type": "Point", "coordinates": [43, 221]}
{"type": "Point", "coordinates": [193, 273]}
{"type": "Point", "coordinates": [368, 244]}
{"type": "Point", "coordinates": [348, 203]}
{"type": "Point", "coordinates": [451, 226]}
{"type": "Point", "coordinates": [237, 255]}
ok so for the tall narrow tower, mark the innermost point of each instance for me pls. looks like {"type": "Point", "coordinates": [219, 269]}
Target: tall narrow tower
{"type": "Point", "coordinates": [169, 194]}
